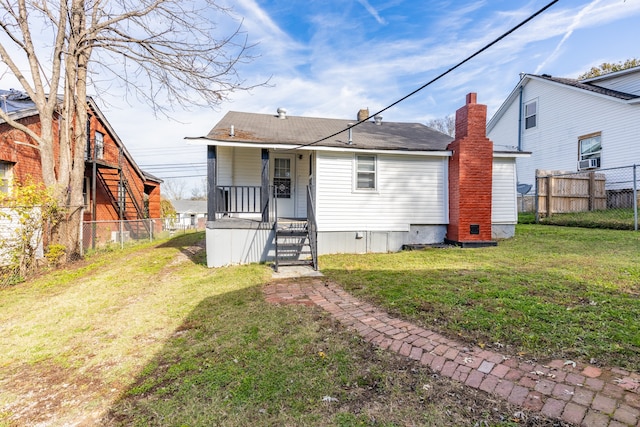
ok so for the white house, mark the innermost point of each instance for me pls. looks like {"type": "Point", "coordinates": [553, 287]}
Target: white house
{"type": "Point", "coordinates": [289, 188]}
{"type": "Point", "coordinates": [571, 125]}
{"type": "Point", "coordinates": [189, 213]}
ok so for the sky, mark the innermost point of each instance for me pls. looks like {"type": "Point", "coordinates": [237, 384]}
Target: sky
{"type": "Point", "coordinates": [330, 58]}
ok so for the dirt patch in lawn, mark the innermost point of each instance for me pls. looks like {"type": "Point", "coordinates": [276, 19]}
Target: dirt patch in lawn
{"type": "Point", "coordinates": [49, 395]}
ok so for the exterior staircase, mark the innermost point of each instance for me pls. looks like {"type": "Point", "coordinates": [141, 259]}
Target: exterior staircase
{"type": "Point", "coordinates": [293, 244]}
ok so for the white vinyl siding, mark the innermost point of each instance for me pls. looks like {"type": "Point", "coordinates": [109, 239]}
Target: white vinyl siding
{"type": "Point", "coordinates": [504, 192]}
{"type": "Point", "coordinates": [569, 113]}
{"type": "Point", "coordinates": [411, 190]}
{"type": "Point", "coordinates": [302, 180]}
{"type": "Point", "coordinates": [628, 83]}
{"type": "Point", "coordinates": [247, 166]}
{"type": "Point", "coordinates": [224, 163]}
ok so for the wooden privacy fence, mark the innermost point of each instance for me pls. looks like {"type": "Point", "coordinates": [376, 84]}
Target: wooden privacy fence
{"type": "Point", "coordinates": [565, 192]}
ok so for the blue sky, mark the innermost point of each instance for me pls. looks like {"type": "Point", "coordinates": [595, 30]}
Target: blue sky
{"type": "Point", "coordinates": [330, 58]}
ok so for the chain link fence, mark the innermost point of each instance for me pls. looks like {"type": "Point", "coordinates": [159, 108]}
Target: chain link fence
{"type": "Point", "coordinates": [603, 198]}
{"type": "Point", "coordinates": [100, 234]}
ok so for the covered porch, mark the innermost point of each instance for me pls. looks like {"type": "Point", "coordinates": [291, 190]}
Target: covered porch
{"type": "Point", "coordinates": [260, 207]}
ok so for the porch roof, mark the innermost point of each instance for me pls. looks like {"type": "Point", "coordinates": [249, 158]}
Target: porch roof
{"type": "Point", "coordinates": [265, 129]}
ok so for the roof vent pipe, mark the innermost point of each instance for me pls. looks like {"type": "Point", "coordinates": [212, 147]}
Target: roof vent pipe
{"type": "Point", "coordinates": [378, 119]}
{"type": "Point", "coordinates": [350, 134]}
{"type": "Point", "coordinates": [232, 131]}
{"type": "Point", "coordinates": [282, 113]}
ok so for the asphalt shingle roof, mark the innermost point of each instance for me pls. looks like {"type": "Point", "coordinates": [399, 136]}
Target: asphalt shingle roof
{"type": "Point", "coordinates": [253, 128]}
{"type": "Point", "coordinates": [589, 87]}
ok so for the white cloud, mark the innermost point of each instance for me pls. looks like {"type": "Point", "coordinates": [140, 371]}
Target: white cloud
{"type": "Point", "coordinates": [577, 20]}
{"type": "Point", "coordinates": [372, 11]}
{"type": "Point", "coordinates": [335, 64]}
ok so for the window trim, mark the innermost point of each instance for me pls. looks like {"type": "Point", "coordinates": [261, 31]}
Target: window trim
{"type": "Point", "coordinates": [534, 115]}
{"type": "Point", "coordinates": [287, 193]}
{"type": "Point", "coordinates": [357, 173]}
{"type": "Point", "coordinates": [599, 153]}
{"type": "Point", "coordinates": [99, 148]}
{"type": "Point", "coordinates": [6, 179]}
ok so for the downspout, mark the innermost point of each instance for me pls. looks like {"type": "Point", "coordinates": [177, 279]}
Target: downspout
{"type": "Point", "coordinates": [520, 120]}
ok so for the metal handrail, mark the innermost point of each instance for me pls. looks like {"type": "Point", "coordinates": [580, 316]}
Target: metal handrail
{"type": "Point", "coordinates": [312, 228]}
{"type": "Point", "coordinates": [274, 204]}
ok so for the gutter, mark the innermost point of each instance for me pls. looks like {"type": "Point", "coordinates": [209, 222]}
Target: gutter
{"type": "Point", "coordinates": [520, 120]}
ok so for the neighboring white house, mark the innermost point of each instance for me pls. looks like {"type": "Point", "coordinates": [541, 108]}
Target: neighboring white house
{"type": "Point", "coordinates": [373, 188]}
{"type": "Point", "coordinates": [571, 125]}
{"type": "Point", "coordinates": [189, 214]}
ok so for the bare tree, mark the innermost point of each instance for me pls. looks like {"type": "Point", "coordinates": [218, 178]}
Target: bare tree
{"type": "Point", "coordinates": [445, 124]}
{"type": "Point", "coordinates": [164, 52]}
{"type": "Point", "coordinates": [199, 192]}
{"type": "Point", "coordinates": [174, 189]}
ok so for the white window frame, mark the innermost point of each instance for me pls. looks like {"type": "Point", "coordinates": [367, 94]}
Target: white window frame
{"type": "Point", "coordinates": [99, 145]}
{"type": "Point", "coordinates": [6, 177]}
{"type": "Point", "coordinates": [590, 155]}
{"type": "Point", "coordinates": [530, 115]}
{"type": "Point", "coordinates": [357, 172]}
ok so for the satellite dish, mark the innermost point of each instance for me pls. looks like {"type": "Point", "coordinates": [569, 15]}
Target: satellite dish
{"type": "Point", "coordinates": [524, 188]}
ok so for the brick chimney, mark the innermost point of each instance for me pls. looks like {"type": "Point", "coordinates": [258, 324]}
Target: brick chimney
{"type": "Point", "coordinates": [470, 178]}
{"type": "Point", "coordinates": [363, 114]}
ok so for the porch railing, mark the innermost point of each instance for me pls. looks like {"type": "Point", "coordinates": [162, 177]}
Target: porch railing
{"type": "Point", "coordinates": [244, 199]}
{"type": "Point", "coordinates": [312, 227]}
{"type": "Point", "coordinates": [239, 199]}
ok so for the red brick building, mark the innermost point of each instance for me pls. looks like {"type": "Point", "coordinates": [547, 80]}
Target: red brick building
{"type": "Point", "coordinates": [115, 187]}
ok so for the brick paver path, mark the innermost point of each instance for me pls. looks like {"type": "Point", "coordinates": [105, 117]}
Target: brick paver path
{"type": "Point", "coordinates": [583, 394]}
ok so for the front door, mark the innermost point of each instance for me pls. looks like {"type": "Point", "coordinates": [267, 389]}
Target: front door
{"type": "Point", "coordinates": [282, 179]}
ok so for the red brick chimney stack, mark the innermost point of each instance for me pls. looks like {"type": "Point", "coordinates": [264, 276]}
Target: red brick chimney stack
{"type": "Point", "coordinates": [470, 178]}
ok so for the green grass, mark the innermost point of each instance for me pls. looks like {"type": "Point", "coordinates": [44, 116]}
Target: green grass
{"type": "Point", "coordinates": [550, 292]}
{"type": "Point", "coordinates": [614, 219]}
{"type": "Point", "coordinates": [148, 336]}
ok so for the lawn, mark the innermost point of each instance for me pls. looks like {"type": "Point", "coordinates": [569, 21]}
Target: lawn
{"type": "Point", "coordinates": [550, 292]}
{"type": "Point", "coordinates": [150, 336]}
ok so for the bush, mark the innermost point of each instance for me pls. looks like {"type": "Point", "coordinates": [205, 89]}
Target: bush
{"type": "Point", "coordinates": [55, 254]}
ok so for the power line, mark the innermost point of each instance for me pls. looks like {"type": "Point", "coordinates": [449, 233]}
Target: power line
{"type": "Point", "coordinates": [184, 176]}
{"type": "Point", "coordinates": [459, 64]}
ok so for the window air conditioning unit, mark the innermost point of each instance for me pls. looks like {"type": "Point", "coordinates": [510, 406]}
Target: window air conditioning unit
{"type": "Point", "coordinates": [588, 164]}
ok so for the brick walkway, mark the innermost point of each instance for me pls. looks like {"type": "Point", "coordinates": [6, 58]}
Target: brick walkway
{"type": "Point", "coordinates": [582, 394]}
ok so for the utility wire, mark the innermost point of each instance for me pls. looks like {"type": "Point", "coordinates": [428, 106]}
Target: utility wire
{"type": "Point", "coordinates": [459, 64]}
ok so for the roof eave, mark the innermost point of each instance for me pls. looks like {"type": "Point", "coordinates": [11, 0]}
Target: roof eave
{"type": "Point", "coordinates": [511, 154]}
{"type": "Point", "coordinates": [203, 140]}
{"type": "Point", "coordinates": [507, 102]}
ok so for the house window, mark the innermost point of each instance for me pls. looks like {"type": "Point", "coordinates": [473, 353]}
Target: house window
{"type": "Point", "coordinates": [99, 141]}
{"type": "Point", "coordinates": [589, 151]}
{"type": "Point", "coordinates": [282, 178]}
{"type": "Point", "coordinates": [530, 114]}
{"type": "Point", "coordinates": [365, 172]}
{"type": "Point", "coordinates": [5, 176]}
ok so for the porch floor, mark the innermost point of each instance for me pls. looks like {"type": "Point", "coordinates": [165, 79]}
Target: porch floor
{"type": "Point", "coordinates": [238, 223]}
{"type": "Point", "coordinates": [255, 223]}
